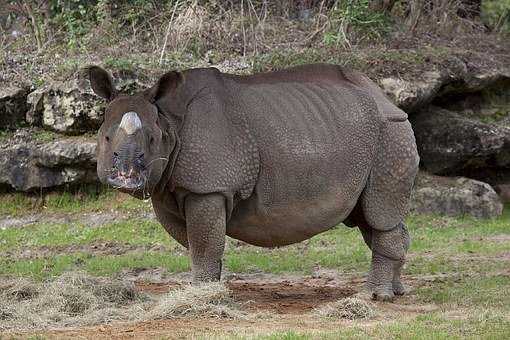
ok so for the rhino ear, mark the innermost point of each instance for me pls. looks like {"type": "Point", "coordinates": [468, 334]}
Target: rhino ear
{"type": "Point", "coordinates": [101, 82]}
{"type": "Point", "coordinates": [165, 85]}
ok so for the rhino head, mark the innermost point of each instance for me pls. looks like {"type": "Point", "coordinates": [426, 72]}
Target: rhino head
{"type": "Point", "coordinates": [136, 141]}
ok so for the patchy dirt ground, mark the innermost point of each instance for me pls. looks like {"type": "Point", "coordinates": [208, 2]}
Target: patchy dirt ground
{"type": "Point", "coordinates": [457, 274]}
{"type": "Point", "coordinates": [273, 302]}
{"type": "Point", "coordinates": [91, 219]}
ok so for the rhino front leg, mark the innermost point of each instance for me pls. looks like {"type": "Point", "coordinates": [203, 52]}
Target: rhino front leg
{"type": "Point", "coordinates": [388, 256]}
{"type": "Point", "coordinates": [205, 224]}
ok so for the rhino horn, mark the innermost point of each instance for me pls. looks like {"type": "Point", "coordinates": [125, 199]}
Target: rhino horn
{"type": "Point", "coordinates": [130, 122]}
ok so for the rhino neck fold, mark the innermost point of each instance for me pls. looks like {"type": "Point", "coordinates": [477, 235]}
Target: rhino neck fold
{"type": "Point", "coordinates": [166, 178]}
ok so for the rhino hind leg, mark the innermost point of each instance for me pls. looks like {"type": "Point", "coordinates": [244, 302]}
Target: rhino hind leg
{"type": "Point", "coordinates": [383, 206]}
{"type": "Point", "coordinates": [385, 199]}
{"type": "Point", "coordinates": [388, 256]}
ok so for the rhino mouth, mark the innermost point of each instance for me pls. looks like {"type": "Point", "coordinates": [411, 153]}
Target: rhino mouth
{"type": "Point", "coordinates": [126, 183]}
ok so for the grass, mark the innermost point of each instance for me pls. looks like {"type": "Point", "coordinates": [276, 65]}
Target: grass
{"type": "Point", "coordinates": [486, 291]}
{"type": "Point", "coordinates": [79, 200]}
{"type": "Point", "coordinates": [99, 265]}
{"type": "Point", "coordinates": [428, 326]}
{"type": "Point", "coordinates": [465, 259]}
{"type": "Point", "coordinates": [432, 326]}
{"type": "Point", "coordinates": [440, 245]}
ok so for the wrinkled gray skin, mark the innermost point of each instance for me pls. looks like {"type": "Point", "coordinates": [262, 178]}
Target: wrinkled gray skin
{"type": "Point", "coordinates": [270, 159]}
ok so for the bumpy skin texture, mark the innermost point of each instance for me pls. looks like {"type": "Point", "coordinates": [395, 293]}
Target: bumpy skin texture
{"type": "Point", "coordinates": [205, 224]}
{"type": "Point", "coordinates": [273, 159]}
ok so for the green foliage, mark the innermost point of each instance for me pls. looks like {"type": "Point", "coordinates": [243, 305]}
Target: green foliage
{"type": "Point", "coordinates": [355, 19]}
{"type": "Point", "coordinates": [77, 17]}
{"type": "Point", "coordinates": [119, 63]}
{"type": "Point", "coordinates": [279, 59]}
{"type": "Point", "coordinates": [496, 15]}
{"type": "Point", "coordinates": [135, 11]}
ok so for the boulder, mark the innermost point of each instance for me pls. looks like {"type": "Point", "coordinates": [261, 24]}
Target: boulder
{"type": "Point", "coordinates": [411, 95]}
{"type": "Point", "coordinates": [449, 143]}
{"type": "Point", "coordinates": [66, 107]}
{"type": "Point", "coordinates": [27, 164]}
{"type": "Point", "coordinates": [454, 197]}
{"type": "Point", "coordinates": [13, 106]}
{"type": "Point", "coordinates": [71, 107]}
{"type": "Point", "coordinates": [490, 105]}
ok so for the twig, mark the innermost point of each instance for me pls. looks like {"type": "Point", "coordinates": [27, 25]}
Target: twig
{"type": "Point", "coordinates": [244, 31]}
{"type": "Point", "coordinates": [168, 33]}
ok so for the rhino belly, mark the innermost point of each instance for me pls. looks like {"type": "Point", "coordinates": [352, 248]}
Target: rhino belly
{"type": "Point", "coordinates": [291, 204]}
{"type": "Point", "coordinates": [316, 147]}
{"type": "Point", "coordinates": [283, 225]}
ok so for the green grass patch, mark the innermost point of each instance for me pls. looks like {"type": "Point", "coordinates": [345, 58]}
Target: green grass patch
{"type": "Point", "coordinates": [439, 244]}
{"type": "Point", "coordinates": [78, 200]}
{"type": "Point", "coordinates": [428, 326]}
{"type": "Point", "coordinates": [133, 232]}
{"type": "Point", "coordinates": [43, 268]}
{"type": "Point", "coordinates": [482, 292]}
{"type": "Point", "coordinates": [341, 248]}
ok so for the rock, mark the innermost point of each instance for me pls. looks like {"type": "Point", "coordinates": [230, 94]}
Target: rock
{"type": "Point", "coordinates": [32, 165]}
{"type": "Point", "coordinates": [67, 107]}
{"type": "Point", "coordinates": [71, 107]}
{"type": "Point", "coordinates": [411, 95]}
{"type": "Point", "coordinates": [67, 152]}
{"type": "Point", "coordinates": [450, 143]}
{"type": "Point", "coordinates": [490, 104]}
{"type": "Point", "coordinates": [454, 197]}
{"type": "Point", "coordinates": [238, 66]}
{"type": "Point", "coordinates": [13, 106]}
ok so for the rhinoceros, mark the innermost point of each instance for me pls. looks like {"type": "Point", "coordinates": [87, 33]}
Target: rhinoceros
{"type": "Point", "coordinates": [270, 159]}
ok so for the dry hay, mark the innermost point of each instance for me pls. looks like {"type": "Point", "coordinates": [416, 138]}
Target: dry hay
{"type": "Point", "coordinates": [350, 308]}
{"type": "Point", "coordinates": [208, 299]}
{"type": "Point", "coordinates": [77, 299]}
{"type": "Point", "coordinates": [188, 25]}
{"type": "Point", "coordinates": [71, 300]}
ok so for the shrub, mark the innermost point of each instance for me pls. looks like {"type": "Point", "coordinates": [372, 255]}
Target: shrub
{"type": "Point", "coordinates": [496, 15]}
{"type": "Point", "coordinates": [355, 19]}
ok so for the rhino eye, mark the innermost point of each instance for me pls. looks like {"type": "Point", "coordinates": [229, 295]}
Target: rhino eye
{"type": "Point", "coordinates": [107, 138]}
{"type": "Point", "coordinates": [151, 140]}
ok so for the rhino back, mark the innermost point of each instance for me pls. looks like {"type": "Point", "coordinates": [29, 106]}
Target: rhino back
{"type": "Point", "coordinates": [316, 144]}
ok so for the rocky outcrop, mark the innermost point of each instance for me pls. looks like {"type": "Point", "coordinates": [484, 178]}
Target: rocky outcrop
{"type": "Point", "coordinates": [450, 143]}
{"type": "Point", "coordinates": [69, 108]}
{"type": "Point", "coordinates": [455, 197]}
{"type": "Point", "coordinates": [13, 106]}
{"type": "Point", "coordinates": [31, 165]}
{"type": "Point", "coordinates": [412, 95]}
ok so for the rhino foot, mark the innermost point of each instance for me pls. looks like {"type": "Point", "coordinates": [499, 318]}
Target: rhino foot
{"type": "Point", "coordinates": [382, 293]}
{"type": "Point", "coordinates": [398, 288]}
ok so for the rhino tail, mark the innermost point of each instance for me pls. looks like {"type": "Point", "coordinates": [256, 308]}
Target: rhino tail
{"type": "Point", "coordinates": [396, 116]}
